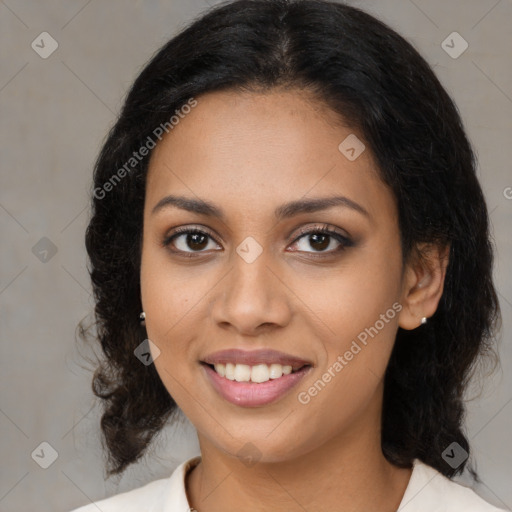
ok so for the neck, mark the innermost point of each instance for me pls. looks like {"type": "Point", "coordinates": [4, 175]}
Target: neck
{"type": "Point", "coordinates": [348, 473]}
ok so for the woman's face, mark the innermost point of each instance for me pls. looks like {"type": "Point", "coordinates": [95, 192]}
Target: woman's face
{"type": "Point", "coordinates": [252, 281]}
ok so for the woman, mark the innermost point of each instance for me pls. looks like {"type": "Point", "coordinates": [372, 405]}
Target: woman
{"type": "Point", "coordinates": [289, 243]}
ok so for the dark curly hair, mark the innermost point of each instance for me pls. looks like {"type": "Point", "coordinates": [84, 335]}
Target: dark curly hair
{"type": "Point", "coordinates": [378, 83]}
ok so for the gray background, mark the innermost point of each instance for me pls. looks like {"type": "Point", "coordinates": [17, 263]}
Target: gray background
{"type": "Point", "coordinates": [55, 113]}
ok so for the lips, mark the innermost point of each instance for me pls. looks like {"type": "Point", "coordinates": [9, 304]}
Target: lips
{"type": "Point", "coordinates": [255, 357]}
{"type": "Point", "coordinates": [251, 394]}
{"type": "Point", "coordinates": [239, 376]}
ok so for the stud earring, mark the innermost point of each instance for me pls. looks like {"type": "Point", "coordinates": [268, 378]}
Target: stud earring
{"type": "Point", "coordinates": [424, 320]}
{"type": "Point", "coordinates": [142, 317]}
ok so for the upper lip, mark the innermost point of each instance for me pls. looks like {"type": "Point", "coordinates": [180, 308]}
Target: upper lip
{"type": "Point", "coordinates": [254, 357]}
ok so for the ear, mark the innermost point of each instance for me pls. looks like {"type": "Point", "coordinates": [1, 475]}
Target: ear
{"type": "Point", "coordinates": [423, 284]}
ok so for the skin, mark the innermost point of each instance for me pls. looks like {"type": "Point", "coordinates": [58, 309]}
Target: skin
{"type": "Point", "coordinates": [248, 153]}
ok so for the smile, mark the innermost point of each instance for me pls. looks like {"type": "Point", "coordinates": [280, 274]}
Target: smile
{"type": "Point", "coordinates": [258, 373]}
{"type": "Point", "coordinates": [272, 382]}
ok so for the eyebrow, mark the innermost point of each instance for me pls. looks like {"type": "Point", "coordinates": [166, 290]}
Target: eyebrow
{"type": "Point", "coordinates": [284, 211]}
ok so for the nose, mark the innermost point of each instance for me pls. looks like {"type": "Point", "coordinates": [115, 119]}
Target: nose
{"type": "Point", "coordinates": [252, 298]}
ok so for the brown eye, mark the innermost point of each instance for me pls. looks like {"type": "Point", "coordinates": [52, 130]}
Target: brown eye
{"type": "Point", "coordinates": [188, 240]}
{"type": "Point", "coordinates": [320, 239]}
{"type": "Point", "coordinates": [196, 241]}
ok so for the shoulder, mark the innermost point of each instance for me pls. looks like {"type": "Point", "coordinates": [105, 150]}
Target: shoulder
{"type": "Point", "coordinates": [430, 491]}
{"type": "Point", "coordinates": [156, 496]}
{"type": "Point", "coordinates": [135, 499]}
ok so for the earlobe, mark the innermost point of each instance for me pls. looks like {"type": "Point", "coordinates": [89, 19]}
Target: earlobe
{"type": "Point", "coordinates": [423, 285]}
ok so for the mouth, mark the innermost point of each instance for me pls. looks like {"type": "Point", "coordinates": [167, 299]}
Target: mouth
{"type": "Point", "coordinates": [254, 378]}
{"type": "Point", "coordinates": [258, 374]}
{"type": "Point", "coordinates": [258, 366]}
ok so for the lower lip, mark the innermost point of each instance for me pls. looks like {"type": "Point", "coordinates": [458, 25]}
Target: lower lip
{"type": "Point", "coordinates": [254, 394]}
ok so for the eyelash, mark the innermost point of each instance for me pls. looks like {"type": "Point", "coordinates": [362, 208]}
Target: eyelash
{"type": "Point", "coordinates": [343, 240]}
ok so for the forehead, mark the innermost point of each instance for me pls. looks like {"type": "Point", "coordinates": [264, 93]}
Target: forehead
{"type": "Point", "coordinates": [253, 150]}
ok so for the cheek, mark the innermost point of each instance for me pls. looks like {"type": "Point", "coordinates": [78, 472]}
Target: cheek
{"type": "Point", "coordinates": [350, 374]}
{"type": "Point", "coordinates": [168, 299]}
{"type": "Point", "coordinates": [171, 293]}
{"type": "Point", "coordinates": [358, 308]}
{"type": "Point", "coordinates": [346, 299]}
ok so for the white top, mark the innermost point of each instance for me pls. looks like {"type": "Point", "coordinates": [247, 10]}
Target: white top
{"type": "Point", "coordinates": [427, 491]}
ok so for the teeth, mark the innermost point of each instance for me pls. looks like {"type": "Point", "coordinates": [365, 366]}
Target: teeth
{"type": "Point", "coordinates": [242, 373]}
{"type": "Point", "coordinates": [221, 370]}
{"type": "Point", "coordinates": [229, 371]}
{"type": "Point", "coordinates": [258, 373]}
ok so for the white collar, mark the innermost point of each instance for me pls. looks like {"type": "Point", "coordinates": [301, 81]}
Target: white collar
{"type": "Point", "coordinates": [174, 498]}
{"type": "Point", "coordinates": [427, 491]}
